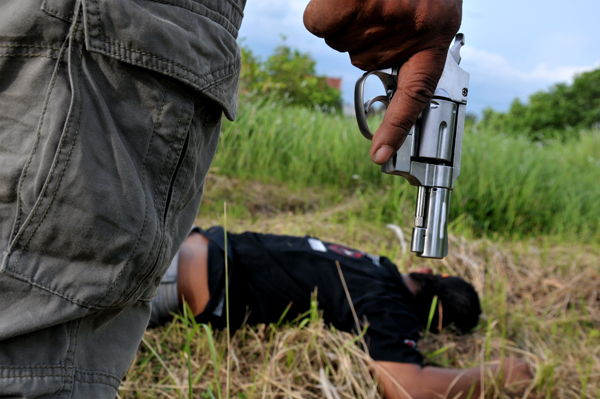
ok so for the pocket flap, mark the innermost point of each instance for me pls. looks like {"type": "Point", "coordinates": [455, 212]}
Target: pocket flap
{"type": "Point", "coordinates": [192, 42]}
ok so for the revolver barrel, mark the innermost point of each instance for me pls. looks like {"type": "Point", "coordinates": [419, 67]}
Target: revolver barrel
{"type": "Point", "coordinates": [430, 234]}
{"type": "Point", "coordinates": [430, 160]}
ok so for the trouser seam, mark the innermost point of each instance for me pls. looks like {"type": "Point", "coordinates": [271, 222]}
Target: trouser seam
{"type": "Point", "coordinates": [29, 56]}
{"type": "Point", "coordinates": [66, 389]}
{"type": "Point", "coordinates": [180, 154]}
{"type": "Point", "coordinates": [49, 46]}
{"type": "Point", "coordinates": [66, 162]}
{"type": "Point", "coordinates": [231, 29]}
{"type": "Point", "coordinates": [69, 372]}
{"type": "Point", "coordinates": [109, 47]}
{"type": "Point", "coordinates": [32, 366]}
{"type": "Point", "coordinates": [162, 170]}
{"type": "Point", "coordinates": [98, 373]}
{"type": "Point", "coordinates": [33, 375]}
{"type": "Point", "coordinates": [97, 382]}
{"type": "Point", "coordinates": [17, 223]}
{"type": "Point", "coordinates": [115, 384]}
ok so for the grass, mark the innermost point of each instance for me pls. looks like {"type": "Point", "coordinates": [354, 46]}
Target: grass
{"type": "Point", "coordinates": [524, 230]}
{"type": "Point", "coordinates": [540, 297]}
{"type": "Point", "coordinates": [508, 187]}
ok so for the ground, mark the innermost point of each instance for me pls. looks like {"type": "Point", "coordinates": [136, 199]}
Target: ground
{"type": "Point", "coordinates": [541, 302]}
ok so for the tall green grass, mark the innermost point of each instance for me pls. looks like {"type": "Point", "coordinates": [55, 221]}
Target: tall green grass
{"type": "Point", "coordinates": [508, 186]}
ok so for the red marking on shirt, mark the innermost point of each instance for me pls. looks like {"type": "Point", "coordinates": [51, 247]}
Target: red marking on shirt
{"type": "Point", "coordinates": [350, 253]}
{"type": "Point", "coordinates": [410, 343]}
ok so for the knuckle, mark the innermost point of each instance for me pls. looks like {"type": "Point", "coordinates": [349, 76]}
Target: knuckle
{"type": "Point", "coordinates": [360, 63]}
{"type": "Point", "coordinates": [335, 43]}
{"type": "Point", "coordinates": [373, 59]}
{"type": "Point", "coordinates": [313, 27]}
{"type": "Point", "coordinates": [446, 15]}
{"type": "Point", "coordinates": [454, 19]}
{"type": "Point", "coordinates": [420, 88]}
{"type": "Point", "coordinates": [402, 127]}
{"type": "Point", "coordinates": [311, 20]}
{"type": "Point", "coordinates": [395, 133]}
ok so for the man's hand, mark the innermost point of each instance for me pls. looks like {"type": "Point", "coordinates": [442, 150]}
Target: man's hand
{"type": "Point", "coordinates": [514, 371]}
{"type": "Point", "coordinates": [382, 33]}
{"type": "Point", "coordinates": [410, 381]}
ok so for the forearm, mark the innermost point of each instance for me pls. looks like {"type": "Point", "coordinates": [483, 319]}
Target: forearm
{"type": "Point", "coordinates": [403, 381]}
{"type": "Point", "coordinates": [453, 383]}
{"type": "Point", "coordinates": [429, 382]}
{"type": "Point", "coordinates": [192, 280]}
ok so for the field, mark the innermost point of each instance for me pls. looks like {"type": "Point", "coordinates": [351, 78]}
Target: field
{"type": "Point", "coordinates": [525, 230]}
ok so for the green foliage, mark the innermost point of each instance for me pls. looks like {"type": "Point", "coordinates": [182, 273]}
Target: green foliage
{"type": "Point", "coordinates": [508, 186]}
{"type": "Point", "coordinates": [558, 113]}
{"type": "Point", "coordinates": [287, 76]}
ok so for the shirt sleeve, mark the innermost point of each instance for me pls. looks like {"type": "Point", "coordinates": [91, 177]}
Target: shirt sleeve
{"type": "Point", "coordinates": [393, 329]}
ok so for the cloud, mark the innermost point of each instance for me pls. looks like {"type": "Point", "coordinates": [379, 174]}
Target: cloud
{"type": "Point", "coordinates": [496, 77]}
{"type": "Point", "coordinates": [268, 10]}
{"type": "Point", "coordinates": [496, 82]}
{"type": "Point", "coordinates": [481, 63]}
{"type": "Point", "coordinates": [559, 74]}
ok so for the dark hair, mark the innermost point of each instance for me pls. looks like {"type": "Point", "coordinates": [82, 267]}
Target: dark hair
{"type": "Point", "coordinates": [458, 299]}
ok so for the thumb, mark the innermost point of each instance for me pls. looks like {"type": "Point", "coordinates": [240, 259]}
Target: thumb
{"type": "Point", "coordinates": [417, 80]}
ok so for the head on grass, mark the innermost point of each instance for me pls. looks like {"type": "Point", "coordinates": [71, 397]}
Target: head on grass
{"type": "Point", "coordinates": [457, 302]}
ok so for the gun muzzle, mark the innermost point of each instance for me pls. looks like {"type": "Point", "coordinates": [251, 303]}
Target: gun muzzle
{"type": "Point", "coordinates": [430, 234]}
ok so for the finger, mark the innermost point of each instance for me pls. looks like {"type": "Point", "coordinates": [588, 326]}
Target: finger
{"type": "Point", "coordinates": [385, 53]}
{"type": "Point", "coordinates": [348, 39]}
{"type": "Point", "coordinates": [417, 80]}
{"type": "Point", "coordinates": [323, 18]}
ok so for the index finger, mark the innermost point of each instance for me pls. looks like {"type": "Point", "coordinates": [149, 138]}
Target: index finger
{"type": "Point", "coordinates": [417, 80]}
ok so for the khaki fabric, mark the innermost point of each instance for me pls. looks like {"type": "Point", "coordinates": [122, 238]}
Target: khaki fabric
{"type": "Point", "coordinates": [109, 119]}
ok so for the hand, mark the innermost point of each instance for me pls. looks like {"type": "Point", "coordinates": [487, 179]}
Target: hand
{"type": "Point", "coordinates": [515, 371]}
{"type": "Point", "coordinates": [382, 33]}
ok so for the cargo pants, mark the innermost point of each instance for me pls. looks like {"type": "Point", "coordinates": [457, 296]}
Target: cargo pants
{"type": "Point", "coordinates": [110, 113]}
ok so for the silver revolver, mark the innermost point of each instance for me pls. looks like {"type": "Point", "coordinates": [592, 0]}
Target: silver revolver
{"type": "Point", "coordinates": [430, 155]}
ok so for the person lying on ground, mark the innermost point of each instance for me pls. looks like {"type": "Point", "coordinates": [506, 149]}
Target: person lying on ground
{"type": "Point", "coordinates": [273, 275]}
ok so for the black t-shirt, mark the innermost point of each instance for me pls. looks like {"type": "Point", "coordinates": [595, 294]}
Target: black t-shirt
{"type": "Point", "coordinates": [269, 273]}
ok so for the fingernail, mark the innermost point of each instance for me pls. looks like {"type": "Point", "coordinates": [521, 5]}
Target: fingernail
{"type": "Point", "coordinates": [383, 154]}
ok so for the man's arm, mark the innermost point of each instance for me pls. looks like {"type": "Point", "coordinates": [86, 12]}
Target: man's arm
{"type": "Point", "coordinates": [404, 381]}
{"type": "Point", "coordinates": [383, 33]}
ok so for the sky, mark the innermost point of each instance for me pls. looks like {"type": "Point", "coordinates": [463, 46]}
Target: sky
{"type": "Point", "coordinates": [513, 47]}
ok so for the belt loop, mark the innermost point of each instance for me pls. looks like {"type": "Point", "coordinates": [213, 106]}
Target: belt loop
{"type": "Point", "coordinates": [63, 9]}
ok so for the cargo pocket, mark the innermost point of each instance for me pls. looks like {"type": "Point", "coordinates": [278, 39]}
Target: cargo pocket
{"type": "Point", "coordinates": [97, 192]}
{"type": "Point", "coordinates": [190, 41]}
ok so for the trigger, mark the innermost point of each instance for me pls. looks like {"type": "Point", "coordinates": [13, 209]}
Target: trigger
{"type": "Point", "coordinates": [382, 99]}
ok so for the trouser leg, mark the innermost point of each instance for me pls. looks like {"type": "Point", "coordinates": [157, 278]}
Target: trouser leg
{"type": "Point", "coordinates": [102, 166]}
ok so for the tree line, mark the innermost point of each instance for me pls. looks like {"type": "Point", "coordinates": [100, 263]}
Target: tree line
{"type": "Point", "coordinates": [288, 76]}
{"type": "Point", "coordinates": [558, 113]}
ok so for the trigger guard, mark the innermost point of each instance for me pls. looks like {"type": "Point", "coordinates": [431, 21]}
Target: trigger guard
{"type": "Point", "coordinates": [389, 78]}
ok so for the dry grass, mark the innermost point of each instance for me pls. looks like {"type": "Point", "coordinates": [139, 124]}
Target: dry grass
{"type": "Point", "coordinates": [270, 362]}
{"type": "Point", "coordinates": [541, 302]}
